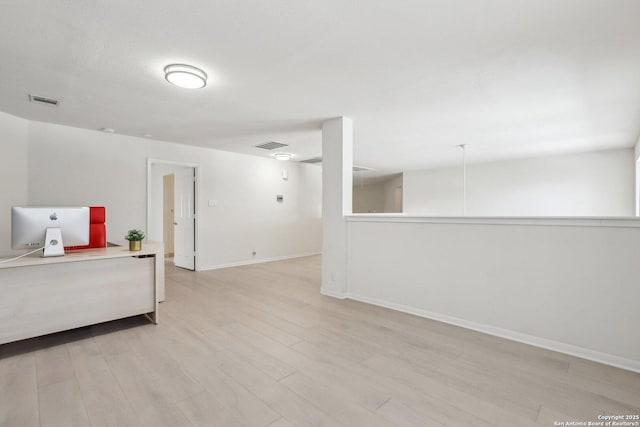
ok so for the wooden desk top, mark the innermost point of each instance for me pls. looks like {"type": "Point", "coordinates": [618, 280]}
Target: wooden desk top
{"type": "Point", "coordinates": [148, 248]}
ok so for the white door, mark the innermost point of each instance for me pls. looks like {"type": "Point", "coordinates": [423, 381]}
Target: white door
{"type": "Point", "coordinates": [184, 219]}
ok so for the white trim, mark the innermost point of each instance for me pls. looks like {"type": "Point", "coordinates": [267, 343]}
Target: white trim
{"type": "Point", "coordinates": [334, 294]}
{"type": "Point", "coordinates": [196, 207]}
{"type": "Point", "coordinates": [172, 162]}
{"type": "Point", "coordinates": [584, 353]}
{"type": "Point", "coordinates": [623, 222]}
{"type": "Point", "coordinates": [256, 261]}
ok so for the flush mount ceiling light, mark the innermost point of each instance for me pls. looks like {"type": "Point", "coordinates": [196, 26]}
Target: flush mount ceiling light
{"type": "Point", "coordinates": [185, 76]}
{"type": "Point", "coordinates": [282, 156]}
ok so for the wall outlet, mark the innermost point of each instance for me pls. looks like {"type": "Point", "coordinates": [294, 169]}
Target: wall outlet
{"type": "Point", "coordinates": [213, 203]}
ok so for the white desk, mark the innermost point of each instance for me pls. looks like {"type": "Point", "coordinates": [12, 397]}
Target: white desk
{"type": "Point", "coordinates": [39, 296]}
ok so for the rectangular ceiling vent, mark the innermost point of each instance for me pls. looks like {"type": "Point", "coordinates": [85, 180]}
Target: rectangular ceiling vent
{"type": "Point", "coordinates": [271, 145]}
{"type": "Point", "coordinates": [312, 160]}
{"type": "Point", "coordinates": [361, 168]}
{"type": "Point", "coordinates": [44, 100]}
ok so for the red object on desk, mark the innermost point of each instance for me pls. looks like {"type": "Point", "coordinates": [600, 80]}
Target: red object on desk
{"type": "Point", "coordinates": [97, 229]}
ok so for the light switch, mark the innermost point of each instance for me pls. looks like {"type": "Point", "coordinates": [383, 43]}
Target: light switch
{"type": "Point", "coordinates": [213, 203]}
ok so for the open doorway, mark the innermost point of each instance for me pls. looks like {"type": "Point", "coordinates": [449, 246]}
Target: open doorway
{"type": "Point", "coordinates": [397, 199]}
{"type": "Point", "coordinates": [168, 191]}
{"type": "Point", "coordinates": [171, 209]}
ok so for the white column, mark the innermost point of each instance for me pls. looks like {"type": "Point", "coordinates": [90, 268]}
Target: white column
{"type": "Point", "coordinates": [337, 175]}
{"type": "Point", "coordinates": [636, 152]}
{"type": "Point", "coordinates": [14, 174]}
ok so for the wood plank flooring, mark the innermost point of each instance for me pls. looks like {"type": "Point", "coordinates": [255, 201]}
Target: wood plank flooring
{"type": "Point", "coordinates": [259, 346]}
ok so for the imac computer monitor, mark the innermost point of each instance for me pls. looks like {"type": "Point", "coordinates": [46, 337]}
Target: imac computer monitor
{"type": "Point", "coordinates": [50, 228]}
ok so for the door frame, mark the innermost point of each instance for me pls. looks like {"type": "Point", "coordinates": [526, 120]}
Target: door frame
{"type": "Point", "coordinates": [196, 175]}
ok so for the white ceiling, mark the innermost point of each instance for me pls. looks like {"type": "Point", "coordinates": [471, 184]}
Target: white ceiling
{"type": "Point", "coordinates": [510, 78]}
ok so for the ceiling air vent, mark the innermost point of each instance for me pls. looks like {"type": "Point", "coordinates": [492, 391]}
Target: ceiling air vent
{"type": "Point", "coordinates": [312, 160]}
{"type": "Point", "coordinates": [43, 100]}
{"type": "Point", "coordinates": [271, 145]}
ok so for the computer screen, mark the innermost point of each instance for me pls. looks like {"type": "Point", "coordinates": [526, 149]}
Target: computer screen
{"type": "Point", "coordinates": [51, 228]}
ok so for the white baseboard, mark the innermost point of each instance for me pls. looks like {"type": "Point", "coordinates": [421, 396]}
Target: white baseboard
{"type": "Point", "coordinates": [584, 353]}
{"type": "Point", "coordinates": [255, 261]}
{"type": "Point", "coordinates": [334, 294]}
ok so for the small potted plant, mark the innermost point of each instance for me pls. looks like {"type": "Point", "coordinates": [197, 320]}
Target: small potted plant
{"type": "Point", "coordinates": [135, 239]}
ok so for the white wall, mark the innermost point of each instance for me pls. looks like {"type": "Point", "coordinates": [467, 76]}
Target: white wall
{"type": "Point", "coordinates": [13, 174]}
{"type": "Point", "coordinates": [636, 153]}
{"type": "Point", "coordinates": [375, 197]}
{"type": "Point", "coordinates": [72, 166]}
{"type": "Point", "coordinates": [586, 184]}
{"type": "Point", "coordinates": [567, 285]}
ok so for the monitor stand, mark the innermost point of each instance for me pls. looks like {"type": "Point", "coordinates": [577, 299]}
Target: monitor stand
{"type": "Point", "coordinates": [53, 243]}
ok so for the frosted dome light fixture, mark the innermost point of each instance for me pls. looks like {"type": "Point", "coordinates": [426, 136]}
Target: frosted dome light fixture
{"type": "Point", "coordinates": [282, 156]}
{"type": "Point", "coordinates": [185, 76]}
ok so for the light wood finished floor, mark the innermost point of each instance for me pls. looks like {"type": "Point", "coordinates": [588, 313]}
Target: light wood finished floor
{"type": "Point", "coordinates": [259, 346]}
